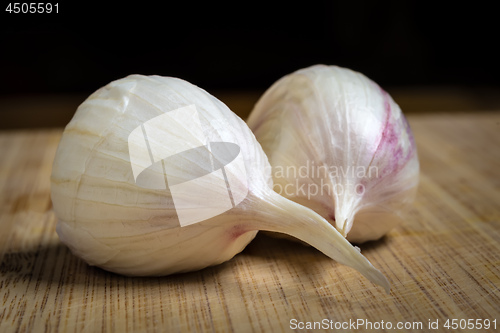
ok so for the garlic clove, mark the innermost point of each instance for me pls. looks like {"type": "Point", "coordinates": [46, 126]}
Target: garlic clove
{"type": "Point", "coordinates": [341, 146]}
{"type": "Point", "coordinates": [155, 176]}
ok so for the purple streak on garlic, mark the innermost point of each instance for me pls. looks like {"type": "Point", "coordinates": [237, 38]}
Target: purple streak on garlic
{"type": "Point", "coordinates": [342, 122]}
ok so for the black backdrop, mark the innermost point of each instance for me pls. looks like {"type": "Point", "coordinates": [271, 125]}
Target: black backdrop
{"type": "Point", "coordinates": [247, 45]}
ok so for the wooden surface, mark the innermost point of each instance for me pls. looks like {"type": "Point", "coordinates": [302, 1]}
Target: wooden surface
{"type": "Point", "coordinates": [443, 262]}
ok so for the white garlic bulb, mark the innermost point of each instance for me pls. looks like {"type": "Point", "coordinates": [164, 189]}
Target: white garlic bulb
{"type": "Point", "coordinates": [340, 145]}
{"type": "Point", "coordinates": [155, 176]}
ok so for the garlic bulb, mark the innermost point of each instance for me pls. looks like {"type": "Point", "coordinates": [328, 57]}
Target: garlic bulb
{"type": "Point", "coordinates": [155, 176]}
{"type": "Point", "coordinates": [340, 145]}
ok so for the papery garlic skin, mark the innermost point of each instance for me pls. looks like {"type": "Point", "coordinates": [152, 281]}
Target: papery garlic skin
{"type": "Point", "coordinates": [352, 139]}
{"type": "Point", "coordinates": [110, 221]}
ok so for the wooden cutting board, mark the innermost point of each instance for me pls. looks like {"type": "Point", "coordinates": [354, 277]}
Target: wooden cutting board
{"type": "Point", "coordinates": [443, 262]}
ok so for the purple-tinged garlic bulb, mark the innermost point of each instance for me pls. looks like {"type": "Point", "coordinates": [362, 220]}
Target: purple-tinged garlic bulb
{"type": "Point", "coordinates": [341, 146]}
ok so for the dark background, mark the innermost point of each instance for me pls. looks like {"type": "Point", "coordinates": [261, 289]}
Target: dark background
{"type": "Point", "coordinates": [248, 45]}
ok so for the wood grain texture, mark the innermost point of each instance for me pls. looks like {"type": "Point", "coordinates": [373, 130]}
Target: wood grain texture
{"type": "Point", "coordinates": [443, 262]}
